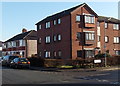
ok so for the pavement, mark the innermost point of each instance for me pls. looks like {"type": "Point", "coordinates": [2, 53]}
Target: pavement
{"type": "Point", "coordinates": [77, 69]}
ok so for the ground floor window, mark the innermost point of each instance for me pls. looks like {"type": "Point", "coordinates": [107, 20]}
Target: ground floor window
{"type": "Point", "coordinates": [117, 52]}
{"type": "Point", "coordinates": [79, 53]}
{"type": "Point", "coordinates": [89, 53]}
{"type": "Point", "coordinates": [47, 54]}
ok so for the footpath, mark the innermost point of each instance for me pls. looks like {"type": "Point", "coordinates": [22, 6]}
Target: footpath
{"type": "Point", "coordinates": [110, 68]}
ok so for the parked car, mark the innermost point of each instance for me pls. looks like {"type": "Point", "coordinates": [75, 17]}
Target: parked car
{"type": "Point", "coordinates": [20, 63]}
{"type": "Point", "coordinates": [7, 59]}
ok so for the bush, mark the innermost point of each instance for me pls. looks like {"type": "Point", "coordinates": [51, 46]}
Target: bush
{"type": "Point", "coordinates": [38, 62]}
{"type": "Point", "coordinates": [102, 55]}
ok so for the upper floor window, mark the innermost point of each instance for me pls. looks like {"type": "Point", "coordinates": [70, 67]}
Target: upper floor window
{"type": "Point", "coordinates": [116, 26]}
{"type": "Point", "coordinates": [9, 44]}
{"type": "Point", "coordinates": [116, 40]}
{"type": "Point", "coordinates": [54, 22]}
{"type": "Point", "coordinates": [90, 36]}
{"type": "Point", "coordinates": [99, 38]}
{"type": "Point", "coordinates": [40, 26]}
{"type": "Point", "coordinates": [47, 39]}
{"type": "Point", "coordinates": [13, 43]}
{"type": "Point", "coordinates": [59, 21]}
{"type": "Point", "coordinates": [21, 42]}
{"type": "Point", "coordinates": [106, 25]}
{"type": "Point", "coordinates": [89, 19]}
{"type": "Point", "coordinates": [54, 38]}
{"type": "Point", "coordinates": [47, 25]}
{"type": "Point", "coordinates": [78, 18]}
{"type": "Point", "coordinates": [39, 40]}
{"type": "Point", "coordinates": [106, 39]}
{"type": "Point", "coordinates": [59, 37]}
{"type": "Point", "coordinates": [47, 54]}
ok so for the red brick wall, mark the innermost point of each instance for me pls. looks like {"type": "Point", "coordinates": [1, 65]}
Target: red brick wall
{"type": "Point", "coordinates": [63, 45]}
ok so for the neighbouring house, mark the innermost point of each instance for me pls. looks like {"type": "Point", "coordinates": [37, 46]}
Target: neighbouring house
{"type": "Point", "coordinates": [76, 33]}
{"type": "Point", "coordinates": [23, 44]}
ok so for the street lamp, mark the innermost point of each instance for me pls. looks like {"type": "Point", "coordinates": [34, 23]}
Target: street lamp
{"type": "Point", "coordinates": [104, 40]}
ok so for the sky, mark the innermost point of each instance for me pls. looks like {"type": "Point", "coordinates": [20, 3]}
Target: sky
{"type": "Point", "coordinates": [18, 15]}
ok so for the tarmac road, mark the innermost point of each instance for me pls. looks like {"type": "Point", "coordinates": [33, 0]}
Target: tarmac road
{"type": "Point", "coordinates": [27, 76]}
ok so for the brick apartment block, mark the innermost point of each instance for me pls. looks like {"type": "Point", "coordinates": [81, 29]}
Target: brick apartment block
{"type": "Point", "coordinates": [76, 33]}
{"type": "Point", "coordinates": [23, 44]}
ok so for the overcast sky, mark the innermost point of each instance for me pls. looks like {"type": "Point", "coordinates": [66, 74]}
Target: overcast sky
{"type": "Point", "coordinates": [16, 15]}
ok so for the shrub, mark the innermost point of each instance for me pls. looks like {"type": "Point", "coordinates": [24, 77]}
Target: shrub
{"type": "Point", "coordinates": [102, 55]}
{"type": "Point", "coordinates": [38, 62]}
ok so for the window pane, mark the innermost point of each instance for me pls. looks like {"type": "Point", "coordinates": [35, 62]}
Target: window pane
{"type": "Point", "coordinates": [77, 18]}
{"type": "Point", "coordinates": [59, 21]}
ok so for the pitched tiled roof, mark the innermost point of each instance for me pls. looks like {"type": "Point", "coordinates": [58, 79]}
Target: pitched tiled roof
{"type": "Point", "coordinates": [108, 19]}
{"type": "Point", "coordinates": [63, 13]}
{"type": "Point", "coordinates": [19, 36]}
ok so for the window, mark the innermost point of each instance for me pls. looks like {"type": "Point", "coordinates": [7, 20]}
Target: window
{"type": "Point", "coordinates": [90, 36]}
{"type": "Point", "coordinates": [79, 53]}
{"type": "Point", "coordinates": [40, 54]}
{"type": "Point", "coordinates": [47, 54]}
{"type": "Point", "coordinates": [40, 26]}
{"type": "Point", "coordinates": [54, 53]}
{"type": "Point", "coordinates": [98, 38]}
{"type": "Point", "coordinates": [115, 26]}
{"type": "Point", "coordinates": [54, 38]}
{"type": "Point", "coordinates": [106, 25]}
{"type": "Point", "coordinates": [9, 44]}
{"type": "Point", "coordinates": [89, 19]}
{"type": "Point", "coordinates": [59, 37]}
{"type": "Point", "coordinates": [21, 43]}
{"type": "Point", "coordinates": [98, 24]}
{"type": "Point", "coordinates": [89, 53]}
{"type": "Point", "coordinates": [78, 35]}
{"type": "Point", "coordinates": [47, 39]}
{"type": "Point", "coordinates": [59, 53]}
{"type": "Point", "coordinates": [106, 39]}
{"type": "Point", "coordinates": [117, 52]}
{"type": "Point", "coordinates": [116, 40]}
{"type": "Point", "coordinates": [78, 18]}
{"type": "Point", "coordinates": [59, 21]}
{"type": "Point", "coordinates": [39, 40]}
{"type": "Point", "coordinates": [47, 24]}
{"type": "Point", "coordinates": [54, 22]}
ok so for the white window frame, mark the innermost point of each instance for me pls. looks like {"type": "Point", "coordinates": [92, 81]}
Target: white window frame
{"type": "Point", "coordinates": [116, 40]}
{"type": "Point", "coordinates": [90, 36]}
{"type": "Point", "coordinates": [40, 26]}
{"type": "Point", "coordinates": [59, 37]}
{"type": "Point", "coordinates": [47, 24]}
{"type": "Point", "coordinates": [54, 22]}
{"type": "Point", "coordinates": [116, 26]}
{"type": "Point", "coordinates": [54, 38]}
{"type": "Point", "coordinates": [47, 54]}
{"type": "Point", "coordinates": [59, 21]}
{"type": "Point", "coordinates": [106, 25]}
{"type": "Point", "coordinates": [78, 18]}
{"type": "Point", "coordinates": [47, 39]}
{"type": "Point", "coordinates": [89, 19]}
{"type": "Point", "coordinates": [106, 39]}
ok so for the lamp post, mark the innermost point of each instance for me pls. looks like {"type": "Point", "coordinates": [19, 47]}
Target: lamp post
{"type": "Point", "coordinates": [104, 40]}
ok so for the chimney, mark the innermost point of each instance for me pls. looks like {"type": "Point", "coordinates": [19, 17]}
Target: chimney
{"type": "Point", "coordinates": [24, 30]}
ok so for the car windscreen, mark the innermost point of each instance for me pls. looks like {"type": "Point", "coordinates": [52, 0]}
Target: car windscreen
{"type": "Point", "coordinates": [23, 60]}
{"type": "Point", "coordinates": [12, 57]}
